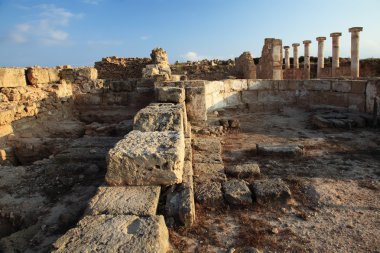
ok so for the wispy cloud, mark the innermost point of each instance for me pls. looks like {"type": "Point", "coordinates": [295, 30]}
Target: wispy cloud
{"type": "Point", "coordinates": [193, 56]}
{"type": "Point", "coordinates": [145, 37]}
{"type": "Point", "coordinates": [94, 2]}
{"type": "Point", "coordinates": [47, 26]}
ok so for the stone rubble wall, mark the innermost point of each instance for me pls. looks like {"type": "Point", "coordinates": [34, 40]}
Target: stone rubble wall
{"type": "Point", "coordinates": [116, 68]}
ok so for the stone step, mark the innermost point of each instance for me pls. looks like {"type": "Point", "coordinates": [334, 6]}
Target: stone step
{"type": "Point", "coordinates": [129, 200]}
{"type": "Point", "coordinates": [121, 233]}
{"type": "Point", "coordinates": [147, 158]}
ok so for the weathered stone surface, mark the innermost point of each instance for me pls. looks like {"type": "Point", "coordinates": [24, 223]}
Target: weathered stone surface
{"type": "Point", "coordinates": [262, 85]}
{"type": "Point", "coordinates": [188, 150]}
{"type": "Point", "coordinates": [39, 76]}
{"type": "Point", "coordinates": [160, 117]}
{"type": "Point", "coordinates": [237, 192]}
{"type": "Point", "coordinates": [280, 150]}
{"type": "Point", "coordinates": [121, 85]}
{"type": "Point", "coordinates": [196, 100]}
{"type": "Point", "coordinates": [207, 150]}
{"type": "Point", "coordinates": [170, 94]}
{"type": "Point", "coordinates": [209, 172]}
{"type": "Point", "coordinates": [244, 170]}
{"type": "Point", "coordinates": [12, 77]}
{"type": "Point", "coordinates": [122, 233]}
{"type": "Point", "coordinates": [341, 86]}
{"type": "Point", "coordinates": [209, 193]}
{"type": "Point", "coordinates": [270, 190]}
{"type": "Point", "coordinates": [317, 85]}
{"type": "Point", "coordinates": [87, 73]}
{"type": "Point", "coordinates": [245, 67]}
{"type": "Point", "coordinates": [129, 200]}
{"type": "Point", "coordinates": [147, 158]}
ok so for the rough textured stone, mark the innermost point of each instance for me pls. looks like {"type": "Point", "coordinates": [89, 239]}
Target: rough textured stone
{"type": "Point", "coordinates": [244, 170]}
{"type": "Point", "coordinates": [209, 172]}
{"type": "Point", "coordinates": [12, 77]}
{"type": "Point", "coordinates": [129, 200]}
{"type": "Point", "coordinates": [160, 117]}
{"type": "Point", "coordinates": [196, 100]}
{"type": "Point", "coordinates": [188, 150]}
{"type": "Point", "coordinates": [147, 158]}
{"type": "Point", "coordinates": [237, 192]}
{"type": "Point", "coordinates": [280, 150]}
{"type": "Point", "coordinates": [209, 193]}
{"type": "Point", "coordinates": [170, 94]}
{"type": "Point", "coordinates": [122, 233]}
{"type": "Point", "coordinates": [39, 76]}
{"type": "Point", "coordinates": [270, 190]}
{"type": "Point", "coordinates": [245, 67]}
{"type": "Point", "coordinates": [87, 73]}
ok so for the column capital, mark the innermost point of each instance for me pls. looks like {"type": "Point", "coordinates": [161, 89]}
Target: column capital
{"type": "Point", "coordinates": [320, 39]}
{"type": "Point", "coordinates": [307, 42]}
{"type": "Point", "coordinates": [355, 29]}
{"type": "Point", "coordinates": [296, 44]}
{"type": "Point", "coordinates": [337, 34]}
{"type": "Point", "coordinates": [286, 47]}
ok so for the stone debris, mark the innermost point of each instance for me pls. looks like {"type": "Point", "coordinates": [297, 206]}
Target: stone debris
{"type": "Point", "coordinates": [248, 170]}
{"type": "Point", "coordinates": [125, 200]}
{"type": "Point", "coordinates": [331, 119]}
{"type": "Point", "coordinates": [280, 150]}
{"type": "Point", "coordinates": [268, 191]}
{"type": "Point", "coordinates": [147, 158]}
{"type": "Point", "coordinates": [160, 66]}
{"type": "Point", "coordinates": [236, 192]}
{"type": "Point", "coordinates": [209, 171]}
{"type": "Point", "coordinates": [160, 117]}
{"type": "Point", "coordinates": [122, 233]}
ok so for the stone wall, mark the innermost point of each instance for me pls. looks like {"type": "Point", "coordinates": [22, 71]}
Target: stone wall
{"type": "Point", "coordinates": [116, 68]}
{"type": "Point", "coordinates": [41, 112]}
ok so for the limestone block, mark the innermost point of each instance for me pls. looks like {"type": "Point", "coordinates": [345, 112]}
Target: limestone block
{"type": "Point", "coordinates": [249, 96]}
{"type": "Point", "coordinates": [209, 172]}
{"type": "Point", "coordinates": [87, 73]}
{"type": "Point", "coordinates": [289, 84]}
{"type": "Point", "coordinates": [170, 94]}
{"type": "Point", "coordinates": [358, 86]}
{"type": "Point", "coordinates": [235, 85]}
{"type": "Point", "coordinates": [160, 117]}
{"type": "Point", "coordinates": [262, 85]}
{"type": "Point", "coordinates": [88, 99]}
{"type": "Point", "coordinates": [147, 158]}
{"type": "Point", "coordinates": [233, 98]}
{"type": "Point", "coordinates": [214, 86]}
{"type": "Point", "coordinates": [280, 150]}
{"type": "Point", "coordinates": [122, 233]}
{"type": "Point", "coordinates": [270, 190]}
{"type": "Point", "coordinates": [247, 170]}
{"type": "Point", "coordinates": [372, 93]}
{"type": "Point", "coordinates": [338, 99]}
{"type": "Point", "coordinates": [196, 101]}
{"type": "Point", "coordinates": [127, 200]}
{"type": "Point", "coordinates": [40, 76]}
{"type": "Point", "coordinates": [317, 85]}
{"type": "Point", "coordinates": [12, 77]}
{"type": "Point", "coordinates": [122, 85]}
{"type": "Point", "coordinates": [356, 102]}
{"type": "Point", "coordinates": [341, 86]}
{"type": "Point", "coordinates": [266, 96]}
{"type": "Point", "coordinates": [237, 192]}
{"type": "Point", "coordinates": [188, 150]}
{"type": "Point", "coordinates": [209, 193]}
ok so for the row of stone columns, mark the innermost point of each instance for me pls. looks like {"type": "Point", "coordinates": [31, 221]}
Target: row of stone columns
{"type": "Point", "coordinates": [335, 54]}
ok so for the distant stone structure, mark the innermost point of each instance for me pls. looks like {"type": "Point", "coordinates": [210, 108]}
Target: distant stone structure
{"type": "Point", "coordinates": [270, 65]}
{"type": "Point", "coordinates": [245, 66]}
{"type": "Point", "coordinates": [160, 66]}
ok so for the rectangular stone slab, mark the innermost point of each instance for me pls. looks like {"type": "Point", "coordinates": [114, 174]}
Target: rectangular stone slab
{"type": "Point", "coordinates": [160, 117]}
{"type": "Point", "coordinates": [122, 233]}
{"type": "Point", "coordinates": [147, 158]}
{"type": "Point", "coordinates": [12, 77]}
{"type": "Point", "coordinates": [288, 150]}
{"type": "Point", "coordinates": [128, 200]}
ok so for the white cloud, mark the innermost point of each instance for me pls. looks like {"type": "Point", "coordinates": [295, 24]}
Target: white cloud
{"type": "Point", "coordinates": [193, 56]}
{"type": "Point", "coordinates": [46, 27]}
{"type": "Point", "coordinates": [94, 2]}
{"type": "Point", "coordinates": [145, 37]}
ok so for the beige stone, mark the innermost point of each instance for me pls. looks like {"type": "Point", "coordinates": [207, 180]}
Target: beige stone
{"type": "Point", "coordinates": [41, 76]}
{"type": "Point", "coordinates": [12, 77]}
{"type": "Point", "coordinates": [160, 117]}
{"type": "Point", "coordinates": [122, 233]}
{"type": "Point", "coordinates": [170, 94]}
{"type": "Point", "coordinates": [147, 158]}
{"type": "Point", "coordinates": [127, 200]}
{"type": "Point", "coordinates": [87, 73]}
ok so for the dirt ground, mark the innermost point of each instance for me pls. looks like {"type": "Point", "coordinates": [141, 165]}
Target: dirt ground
{"type": "Point", "coordinates": [335, 205]}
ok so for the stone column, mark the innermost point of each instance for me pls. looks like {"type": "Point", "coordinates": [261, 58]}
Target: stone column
{"type": "Point", "coordinates": [321, 55]}
{"type": "Point", "coordinates": [306, 61]}
{"type": "Point", "coordinates": [335, 52]}
{"type": "Point", "coordinates": [355, 51]}
{"type": "Point", "coordinates": [296, 63]}
{"type": "Point", "coordinates": [287, 57]}
{"type": "Point", "coordinates": [277, 59]}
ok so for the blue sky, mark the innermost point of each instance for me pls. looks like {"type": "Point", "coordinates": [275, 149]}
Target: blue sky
{"type": "Point", "coordinates": [80, 32]}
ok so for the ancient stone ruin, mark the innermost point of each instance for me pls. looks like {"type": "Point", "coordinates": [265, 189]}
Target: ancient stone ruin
{"type": "Point", "coordinates": [269, 154]}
